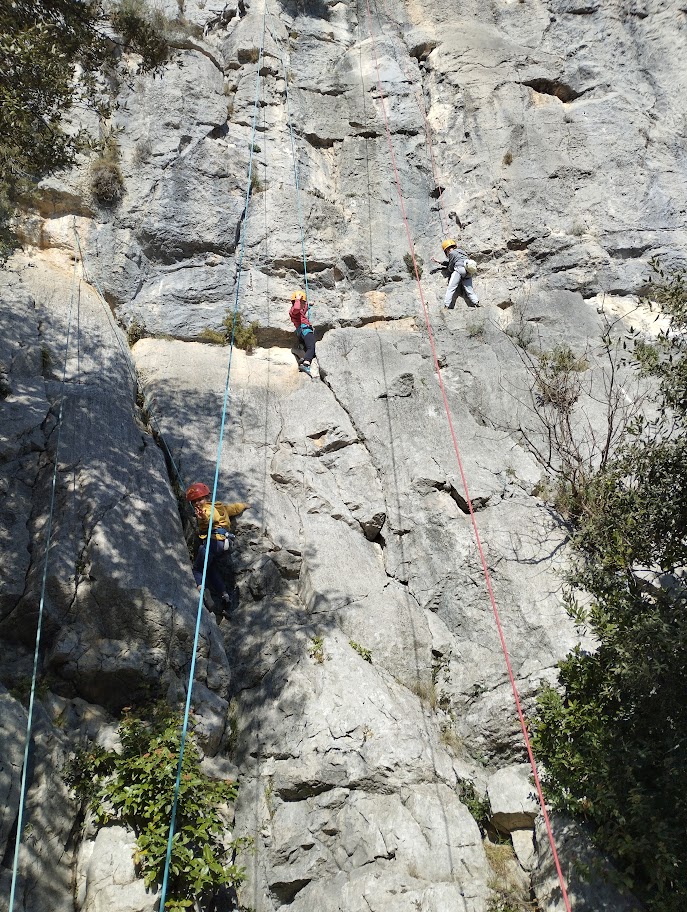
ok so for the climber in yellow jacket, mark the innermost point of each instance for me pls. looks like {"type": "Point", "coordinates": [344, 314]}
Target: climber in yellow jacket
{"type": "Point", "coordinates": [200, 497]}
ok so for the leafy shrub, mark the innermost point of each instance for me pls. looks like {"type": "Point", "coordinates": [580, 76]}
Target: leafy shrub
{"type": "Point", "coordinates": [316, 651]}
{"type": "Point", "coordinates": [136, 786]}
{"type": "Point", "coordinates": [245, 337]}
{"type": "Point", "coordinates": [143, 30]}
{"type": "Point", "coordinates": [480, 808]}
{"type": "Point", "coordinates": [612, 738]}
{"type": "Point", "coordinates": [557, 381]}
{"type": "Point", "coordinates": [508, 158]}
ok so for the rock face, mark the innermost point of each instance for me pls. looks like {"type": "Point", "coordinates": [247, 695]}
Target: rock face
{"type": "Point", "coordinates": [359, 680]}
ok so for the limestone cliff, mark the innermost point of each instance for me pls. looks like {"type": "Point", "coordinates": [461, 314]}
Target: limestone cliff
{"type": "Point", "coordinates": [548, 135]}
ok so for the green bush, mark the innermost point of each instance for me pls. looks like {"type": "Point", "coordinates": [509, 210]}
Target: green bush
{"type": "Point", "coordinates": [135, 787]}
{"type": "Point", "coordinates": [612, 737]}
{"type": "Point", "coordinates": [245, 337]}
{"type": "Point", "coordinates": [143, 30]}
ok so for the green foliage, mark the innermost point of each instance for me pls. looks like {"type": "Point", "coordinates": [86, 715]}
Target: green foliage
{"type": "Point", "coordinates": [408, 260]}
{"type": "Point", "coordinates": [214, 336]}
{"type": "Point", "coordinates": [557, 380]}
{"type": "Point", "coordinates": [135, 331]}
{"type": "Point", "coordinates": [143, 30]}
{"type": "Point", "coordinates": [316, 651]}
{"type": "Point", "coordinates": [480, 808]}
{"type": "Point", "coordinates": [245, 337]}
{"type": "Point", "coordinates": [40, 45]}
{"type": "Point", "coordinates": [612, 739]}
{"type": "Point", "coordinates": [364, 654]}
{"type": "Point", "coordinates": [135, 787]}
{"type": "Point", "coordinates": [107, 183]}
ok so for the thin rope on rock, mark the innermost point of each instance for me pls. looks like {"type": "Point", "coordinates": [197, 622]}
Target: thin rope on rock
{"type": "Point", "coordinates": [41, 605]}
{"type": "Point", "coordinates": [196, 637]}
{"type": "Point", "coordinates": [468, 500]}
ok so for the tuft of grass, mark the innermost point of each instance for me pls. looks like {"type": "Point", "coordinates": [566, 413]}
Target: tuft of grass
{"type": "Point", "coordinates": [508, 158]}
{"type": "Point", "coordinates": [256, 185]}
{"type": "Point", "coordinates": [316, 651]}
{"type": "Point", "coordinates": [364, 654]}
{"type": "Point", "coordinates": [450, 739]}
{"type": "Point", "coordinates": [427, 693]}
{"type": "Point", "coordinates": [475, 330]}
{"type": "Point", "coordinates": [135, 331]}
{"type": "Point", "coordinates": [107, 183]}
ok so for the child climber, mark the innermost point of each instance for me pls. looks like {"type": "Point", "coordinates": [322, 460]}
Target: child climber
{"type": "Point", "coordinates": [456, 265]}
{"type": "Point", "coordinates": [300, 317]}
{"type": "Point", "coordinates": [199, 496]}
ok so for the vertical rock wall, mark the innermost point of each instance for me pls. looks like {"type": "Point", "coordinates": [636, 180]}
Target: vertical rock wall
{"type": "Point", "coordinates": [361, 658]}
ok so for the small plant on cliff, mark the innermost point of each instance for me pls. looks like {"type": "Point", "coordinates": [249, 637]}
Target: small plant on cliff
{"type": "Point", "coordinates": [364, 654]}
{"type": "Point", "coordinates": [408, 260]}
{"type": "Point", "coordinates": [480, 808]}
{"type": "Point", "coordinates": [143, 30]}
{"type": "Point", "coordinates": [245, 337]}
{"type": "Point", "coordinates": [316, 650]}
{"type": "Point", "coordinates": [135, 786]}
{"type": "Point", "coordinates": [107, 183]}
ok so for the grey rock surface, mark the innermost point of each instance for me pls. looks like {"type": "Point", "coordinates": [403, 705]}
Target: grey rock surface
{"type": "Point", "coordinates": [557, 158]}
{"type": "Point", "coordinates": [513, 799]}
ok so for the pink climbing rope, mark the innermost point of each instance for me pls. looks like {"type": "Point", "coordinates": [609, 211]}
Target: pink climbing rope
{"type": "Point", "coordinates": [456, 448]}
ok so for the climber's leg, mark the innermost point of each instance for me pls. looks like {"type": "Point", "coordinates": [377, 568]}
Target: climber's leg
{"type": "Point", "coordinates": [453, 284]}
{"type": "Point", "coordinates": [309, 346]}
{"type": "Point", "coordinates": [466, 282]}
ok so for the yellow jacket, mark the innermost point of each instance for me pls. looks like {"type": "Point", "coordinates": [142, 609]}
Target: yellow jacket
{"type": "Point", "coordinates": [221, 517]}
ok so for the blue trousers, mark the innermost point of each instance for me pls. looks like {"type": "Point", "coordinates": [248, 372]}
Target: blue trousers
{"type": "Point", "coordinates": [213, 580]}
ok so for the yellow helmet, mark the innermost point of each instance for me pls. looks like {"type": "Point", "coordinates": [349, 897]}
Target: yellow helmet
{"type": "Point", "coordinates": [447, 244]}
{"type": "Point", "coordinates": [299, 294]}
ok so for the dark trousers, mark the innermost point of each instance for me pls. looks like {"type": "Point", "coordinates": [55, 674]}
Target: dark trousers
{"type": "Point", "coordinates": [213, 579]}
{"type": "Point", "coordinates": [307, 340]}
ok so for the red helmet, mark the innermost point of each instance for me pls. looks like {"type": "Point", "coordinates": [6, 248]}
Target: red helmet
{"type": "Point", "coordinates": [196, 491]}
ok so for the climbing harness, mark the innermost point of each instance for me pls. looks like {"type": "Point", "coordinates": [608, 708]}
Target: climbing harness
{"type": "Point", "coordinates": [468, 500]}
{"type": "Point", "coordinates": [41, 605]}
{"type": "Point", "coordinates": [196, 637]}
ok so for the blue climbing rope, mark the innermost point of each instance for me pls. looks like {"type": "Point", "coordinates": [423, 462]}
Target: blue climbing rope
{"type": "Point", "coordinates": [189, 693]}
{"type": "Point", "coordinates": [41, 604]}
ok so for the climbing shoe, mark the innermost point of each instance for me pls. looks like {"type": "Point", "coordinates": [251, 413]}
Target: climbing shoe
{"type": "Point", "coordinates": [305, 368]}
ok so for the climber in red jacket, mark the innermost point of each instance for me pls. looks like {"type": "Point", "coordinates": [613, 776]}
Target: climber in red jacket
{"type": "Point", "coordinates": [300, 317]}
